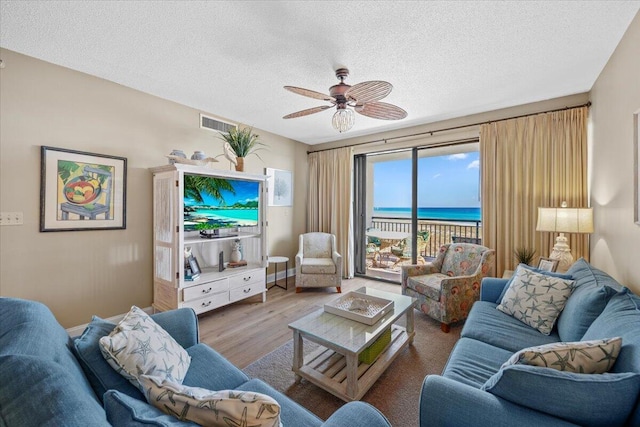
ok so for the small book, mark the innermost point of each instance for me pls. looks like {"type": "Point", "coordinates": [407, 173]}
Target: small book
{"type": "Point", "coordinates": [232, 264]}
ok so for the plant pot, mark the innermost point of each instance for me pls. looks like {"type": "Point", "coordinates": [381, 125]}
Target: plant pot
{"type": "Point", "coordinates": [240, 164]}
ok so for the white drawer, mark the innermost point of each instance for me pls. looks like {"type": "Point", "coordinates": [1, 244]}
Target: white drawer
{"type": "Point", "coordinates": [209, 302]}
{"type": "Point", "coordinates": [247, 291]}
{"type": "Point", "coordinates": [199, 291]}
{"type": "Point", "coordinates": [249, 277]}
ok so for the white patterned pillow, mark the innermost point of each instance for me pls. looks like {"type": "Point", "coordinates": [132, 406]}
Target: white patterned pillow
{"type": "Point", "coordinates": [536, 299]}
{"type": "Point", "coordinates": [211, 408]}
{"type": "Point", "coordinates": [138, 345]}
{"type": "Point", "coordinates": [581, 357]}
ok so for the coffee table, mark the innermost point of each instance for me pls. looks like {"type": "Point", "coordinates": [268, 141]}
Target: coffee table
{"type": "Point", "coordinates": [334, 366]}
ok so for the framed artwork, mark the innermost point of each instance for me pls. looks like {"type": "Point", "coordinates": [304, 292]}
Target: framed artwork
{"type": "Point", "coordinates": [548, 264]}
{"type": "Point", "coordinates": [280, 187]}
{"type": "Point", "coordinates": [194, 266]}
{"type": "Point", "coordinates": [81, 191]}
{"type": "Point", "coordinates": [636, 168]}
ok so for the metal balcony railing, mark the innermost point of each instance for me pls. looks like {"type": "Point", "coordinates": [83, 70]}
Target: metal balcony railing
{"type": "Point", "coordinates": [440, 232]}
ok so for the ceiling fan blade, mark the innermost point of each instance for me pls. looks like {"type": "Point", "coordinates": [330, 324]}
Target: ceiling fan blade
{"type": "Point", "coordinates": [381, 110]}
{"type": "Point", "coordinates": [310, 93]}
{"type": "Point", "coordinates": [307, 112]}
{"type": "Point", "coordinates": [370, 91]}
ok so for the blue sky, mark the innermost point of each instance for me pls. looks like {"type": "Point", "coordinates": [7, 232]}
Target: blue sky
{"type": "Point", "coordinates": [443, 181]}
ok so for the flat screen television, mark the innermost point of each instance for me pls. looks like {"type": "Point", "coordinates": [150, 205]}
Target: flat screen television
{"type": "Point", "coordinates": [215, 203]}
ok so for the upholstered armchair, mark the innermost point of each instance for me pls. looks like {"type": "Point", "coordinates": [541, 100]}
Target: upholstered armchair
{"type": "Point", "coordinates": [447, 287]}
{"type": "Point", "coordinates": [318, 264]}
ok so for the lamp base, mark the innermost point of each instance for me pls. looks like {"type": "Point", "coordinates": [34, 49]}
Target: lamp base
{"type": "Point", "coordinates": [562, 253]}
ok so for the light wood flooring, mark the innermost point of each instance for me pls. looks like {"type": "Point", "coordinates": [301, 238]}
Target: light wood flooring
{"type": "Point", "coordinates": [247, 330]}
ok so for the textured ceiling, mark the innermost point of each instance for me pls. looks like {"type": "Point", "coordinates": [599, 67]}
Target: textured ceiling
{"type": "Point", "coordinates": [232, 59]}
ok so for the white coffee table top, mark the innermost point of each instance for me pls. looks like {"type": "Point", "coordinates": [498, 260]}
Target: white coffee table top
{"type": "Point", "coordinates": [278, 259]}
{"type": "Point", "coordinates": [350, 335]}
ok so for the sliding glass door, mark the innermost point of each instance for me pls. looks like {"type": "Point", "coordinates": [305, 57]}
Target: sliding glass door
{"type": "Point", "coordinates": [409, 202]}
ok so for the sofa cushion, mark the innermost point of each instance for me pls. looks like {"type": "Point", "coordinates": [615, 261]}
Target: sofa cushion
{"type": "Point", "coordinates": [318, 266]}
{"type": "Point", "coordinates": [138, 345]}
{"type": "Point", "coordinates": [100, 374]}
{"type": "Point", "coordinates": [38, 391]}
{"type": "Point", "coordinates": [494, 327]}
{"type": "Point", "coordinates": [592, 290]}
{"type": "Point", "coordinates": [536, 299]}
{"type": "Point", "coordinates": [291, 414]}
{"type": "Point", "coordinates": [581, 357]}
{"type": "Point", "coordinates": [124, 410]}
{"type": "Point", "coordinates": [537, 270]}
{"type": "Point", "coordinates": [473, 362]}
{"type": "Point", "coordinates": [584, 399]}
{"type": "Point", "coordinates": [211, 408]}
{"type": "Point", "coordinates": [210, 370]}
{"type": "Point", "coordinates": [429, 285]}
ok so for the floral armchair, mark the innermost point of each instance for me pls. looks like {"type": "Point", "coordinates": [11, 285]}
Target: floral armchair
{"type": "Point", "coordinates": [447, 287]}
{"type": "Point", "coordinates": [318, 264]}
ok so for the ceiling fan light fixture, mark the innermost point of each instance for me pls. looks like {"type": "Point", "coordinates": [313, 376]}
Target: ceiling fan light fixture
{"type": "Point", "coordinates": [343, 120]}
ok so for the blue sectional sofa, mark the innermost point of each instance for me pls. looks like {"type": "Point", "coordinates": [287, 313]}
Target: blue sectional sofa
{"type": "Point", "coordinates": [474, 388]}
{"type": "Point", "coordinates": [50, 379]}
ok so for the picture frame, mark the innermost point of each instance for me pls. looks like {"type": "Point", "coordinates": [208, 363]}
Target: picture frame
{"type": "Point", "coordinates": [81, 191]}
{"type": "Point", "coordinates": [194, 266]}
{"type": "Point", "coordinates": [280, 187]}
{"type": "Point", "coordinates": [548, 264]}
{"type": "Point", "coordinates": [636, 167]}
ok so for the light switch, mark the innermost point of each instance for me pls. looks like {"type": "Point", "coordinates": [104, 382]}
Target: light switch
{"type": "Point", "coordinates": [11, 218]}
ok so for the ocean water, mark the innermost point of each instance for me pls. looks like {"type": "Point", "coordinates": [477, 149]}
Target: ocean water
{"type": "Point", "coordinates": [443, 214]}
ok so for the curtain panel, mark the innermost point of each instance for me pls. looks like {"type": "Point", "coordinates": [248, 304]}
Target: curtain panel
{"type": "Point", "coordinates": [329, 201]}
{"type": "Point", "coordinates": [531, 162]}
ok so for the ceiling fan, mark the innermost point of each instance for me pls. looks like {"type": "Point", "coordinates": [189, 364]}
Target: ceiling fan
{"type": "Point", "coordinates": [363, 98]}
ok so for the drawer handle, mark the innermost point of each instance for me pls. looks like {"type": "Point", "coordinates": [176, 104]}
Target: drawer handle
{"type": "Point", "coordinates": [246, 279]}
{"type": "Point", "coordinates": [206, 291]}
{"type": "Point", "coordinates": [206, 304]}
{"type": "Point", "coordinates": [246, 291]}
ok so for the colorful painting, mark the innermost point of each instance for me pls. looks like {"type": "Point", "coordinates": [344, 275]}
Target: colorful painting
{"type": "Point", "coordinates": [81, 191]}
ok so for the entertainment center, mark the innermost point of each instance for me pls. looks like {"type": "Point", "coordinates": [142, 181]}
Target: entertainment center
{"type": "Point", "coordinates": [201, 219]}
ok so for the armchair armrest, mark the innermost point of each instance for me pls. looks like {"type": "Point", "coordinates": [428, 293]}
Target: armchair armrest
{"type": "Point", "coordinates": [445, 402]}
{"type": "Point", "coordinates": [337, 260]}
{"type": "Point", "coordinates": [357, 414]}
{"type": "Point", "coordinates": [491, 288]}
{"type": "Point", "coordinates": [181, 324]}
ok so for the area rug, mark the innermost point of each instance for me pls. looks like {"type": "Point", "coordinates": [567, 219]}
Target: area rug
{"type": "Point", "coordinates": [395, 394]}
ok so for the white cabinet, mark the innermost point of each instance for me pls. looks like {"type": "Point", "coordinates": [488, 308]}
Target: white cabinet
{"type": "Point", "coordinates": [232, 202]}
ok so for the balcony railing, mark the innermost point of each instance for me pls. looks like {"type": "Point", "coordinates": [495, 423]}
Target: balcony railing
{"type": "Point", "coordinates": [440, 232]}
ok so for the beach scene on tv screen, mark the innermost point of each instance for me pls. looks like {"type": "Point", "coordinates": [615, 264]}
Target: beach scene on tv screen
{"type": "Point", "coordinates": [213, 203]}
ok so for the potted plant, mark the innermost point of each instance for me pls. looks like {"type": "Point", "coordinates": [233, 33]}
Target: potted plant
{"type": "Point", "coordinates": [524, 255]}
{"type": "Point", "coordinates": [239, 143]}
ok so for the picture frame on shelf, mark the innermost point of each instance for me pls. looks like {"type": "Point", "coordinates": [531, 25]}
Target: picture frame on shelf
{"type": "Point", "coordinates": [81, 191]}
{"type": "Point", "coordinates": [548, 264]}
{"type": "Point", "coordinates": [280, 187]}
{"type": "Point", "coordinates": [194, 266]}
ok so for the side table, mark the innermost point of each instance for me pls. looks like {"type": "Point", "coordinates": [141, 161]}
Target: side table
{"type": "Point", "coordinates": [276, 260]}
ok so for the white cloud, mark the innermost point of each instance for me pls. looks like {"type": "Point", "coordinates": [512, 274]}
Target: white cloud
{"type": "Point", "coordinates": [459, 156]}
{"type": "Point", "coordinates": [474, 165]}
{"type": "Point", "coordinates": [438, 175]}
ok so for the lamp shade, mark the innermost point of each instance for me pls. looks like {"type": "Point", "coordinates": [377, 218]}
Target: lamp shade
{"type": "Point", "coordinates": [565, 220]}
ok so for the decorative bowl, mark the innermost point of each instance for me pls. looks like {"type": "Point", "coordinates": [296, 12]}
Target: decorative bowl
{"type": "Point", "coordinates": [82, 190]}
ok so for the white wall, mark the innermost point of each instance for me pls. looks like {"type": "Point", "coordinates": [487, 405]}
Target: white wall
{"type": "Point", "coordinates": [615, 245]}
{"type": "Point", "coordinates": [81, 273]}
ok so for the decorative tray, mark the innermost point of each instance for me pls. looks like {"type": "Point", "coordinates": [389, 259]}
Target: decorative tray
{"type": "Point", "coordinates": [360, 307]}
{"type": "Point", "coordinates": [202, 162]}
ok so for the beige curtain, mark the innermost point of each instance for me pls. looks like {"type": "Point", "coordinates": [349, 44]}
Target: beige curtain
{"type": "Point", "coordinates": [329, 200]}
{"type": "Point", "coordinates": [529, 162]}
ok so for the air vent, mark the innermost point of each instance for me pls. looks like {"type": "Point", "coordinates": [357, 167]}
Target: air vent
{"type": "Point", "coordinates": [216, 125]}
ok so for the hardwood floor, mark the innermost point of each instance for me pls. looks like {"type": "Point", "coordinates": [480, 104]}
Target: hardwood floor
{"type": "Point", "coordinates": [247, 330]}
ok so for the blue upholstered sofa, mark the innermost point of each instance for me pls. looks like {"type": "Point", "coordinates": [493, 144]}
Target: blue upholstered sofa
{"type": "Point", "coordinates": [474, 388]}
{"type": "Point", "coordinates": [50, 379]}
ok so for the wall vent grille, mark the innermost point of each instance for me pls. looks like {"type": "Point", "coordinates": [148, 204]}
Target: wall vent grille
{"type": "Point", "coordinates": [215, 125]}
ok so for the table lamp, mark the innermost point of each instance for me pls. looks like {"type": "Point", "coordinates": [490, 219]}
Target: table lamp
{"type": "Point", "coordinates": [564, 220]}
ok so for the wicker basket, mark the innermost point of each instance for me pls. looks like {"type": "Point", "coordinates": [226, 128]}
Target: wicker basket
{"type": "Point", "coordinates": [371, 353]}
